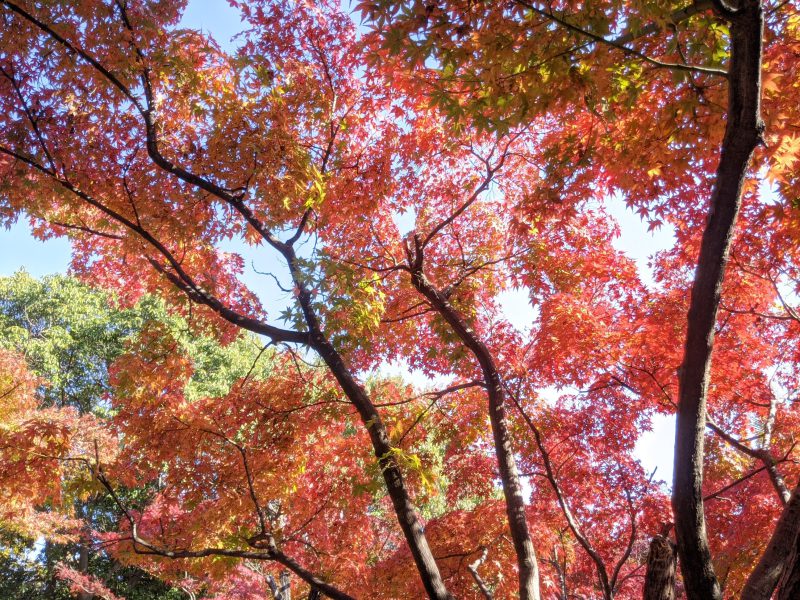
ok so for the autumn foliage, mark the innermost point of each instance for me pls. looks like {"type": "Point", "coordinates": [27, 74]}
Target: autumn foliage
{"type": "Point", "coordinates": [401, 178]}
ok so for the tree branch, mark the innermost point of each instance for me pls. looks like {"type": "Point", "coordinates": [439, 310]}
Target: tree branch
{"type": "Point", "coordinates": [271, 552]}
{"type": "Point", "coordinates": [180, 278]}
{"type": "Point", "coordinates": [621, 46]}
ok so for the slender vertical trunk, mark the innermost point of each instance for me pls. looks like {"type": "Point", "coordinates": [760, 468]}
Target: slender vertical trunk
{"type": "Point", "coordinates": [381, 444]}
{"type": "Point", "coordinates": [659, 582]}
{"type": "Point", "coordinates": [512, 490]}
{"type": "Point", "coordinates": [560, 568]}
{"type": "Point", "coordinates": [509, 475]}
{"type": "Point", "coordinates": [764, 578]}
{"type": "Point", "coordinates": [742, 134]}
{"type": "Point", "coordinates": [403, 506]}
{"type": "Point", "coordinates": [281, 589]}
{"type": "Point", "coordinates": [83, 567]}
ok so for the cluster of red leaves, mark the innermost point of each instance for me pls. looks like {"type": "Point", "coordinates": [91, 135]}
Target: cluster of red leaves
{"type": "Point", "coordinates": [300, 128]}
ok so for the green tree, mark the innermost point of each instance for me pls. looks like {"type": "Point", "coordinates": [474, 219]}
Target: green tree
{"type": "Point", "coordinates": [70, 334]}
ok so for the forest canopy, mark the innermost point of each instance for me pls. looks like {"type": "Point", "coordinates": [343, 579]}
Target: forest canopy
{"type": "Point", "coordinates": [368, 421]}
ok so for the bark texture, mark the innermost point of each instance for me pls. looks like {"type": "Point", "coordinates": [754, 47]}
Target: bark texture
{"type": "Point", "coordinates": [790, 581]}
{"type": "Point", "coordinates": [742, 134]}
{"type": "Point", "coordinates": [281, 589]}
{"type": "Point", "coordinates": [659, 582]}
{"type": "Point", "coordinates": [765, 576]}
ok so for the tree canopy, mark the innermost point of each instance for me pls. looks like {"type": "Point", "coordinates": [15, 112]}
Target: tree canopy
{"type": "Point", "coordinates": [69, 336]}
{"type": "Point", "coordinates": [399, 176]}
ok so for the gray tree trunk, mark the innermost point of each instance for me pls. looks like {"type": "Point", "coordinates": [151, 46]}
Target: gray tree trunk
{"type": "Point", "coordinates": [662, 562]}
{"type": "Point", "coordinates": [766, 574]}
{"type": "Point", "coordinates": [742, 133]}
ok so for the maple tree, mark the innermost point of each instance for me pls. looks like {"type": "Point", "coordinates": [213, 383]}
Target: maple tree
{"type": "Point", "coordinates": [70, 335]}
{"type": "Point", "coordinates": [153, 149]}
{"type": "Point", "coordinates": [517, 62]}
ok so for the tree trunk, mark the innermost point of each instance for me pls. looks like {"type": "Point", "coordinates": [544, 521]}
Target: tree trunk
{"type": "Point", "coordinates": [659, 582]}
{"type": "Point", "coordinates": [392, 475]}
{"type": "Point", "coordinates": [764, 578]}
{"type": "Point", "coordinates": [742, 134]}
{"type": "Point", "coordinates": [282, 589]}
{"type": "Point", "coordinates": [507, 466]}
{"type": "Point", "coordinates": [790, 581]}
{"type": "Point", "coordinates": [83, 567]}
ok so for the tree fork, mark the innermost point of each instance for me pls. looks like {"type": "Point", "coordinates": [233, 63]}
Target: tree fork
{"type": "Point", "coordinates": [742, 134]}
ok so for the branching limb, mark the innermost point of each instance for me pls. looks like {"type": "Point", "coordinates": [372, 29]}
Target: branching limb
{"type": "Point", "coordinates": [473, 570]}
{"type": "Point", "coordinates": [490, 171]}
{"type": "Point", "coordinates": [548, 14]}
{"type": "Point", "coordinates": [760, 454]}
{"type": "Point", "coordinates": [177, 275]}
{"type": "Point", "coordinates": [631, 538]}
{"type": "Point", "coordinates": [83, 54]}
{"type": "Point", "coordinates": [574, 526]}
{"type": "Point", "coordinates": [264, 550]}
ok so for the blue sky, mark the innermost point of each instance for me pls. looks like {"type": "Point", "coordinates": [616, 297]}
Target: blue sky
{"type": "Point", "coordinates": [18, 248]}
